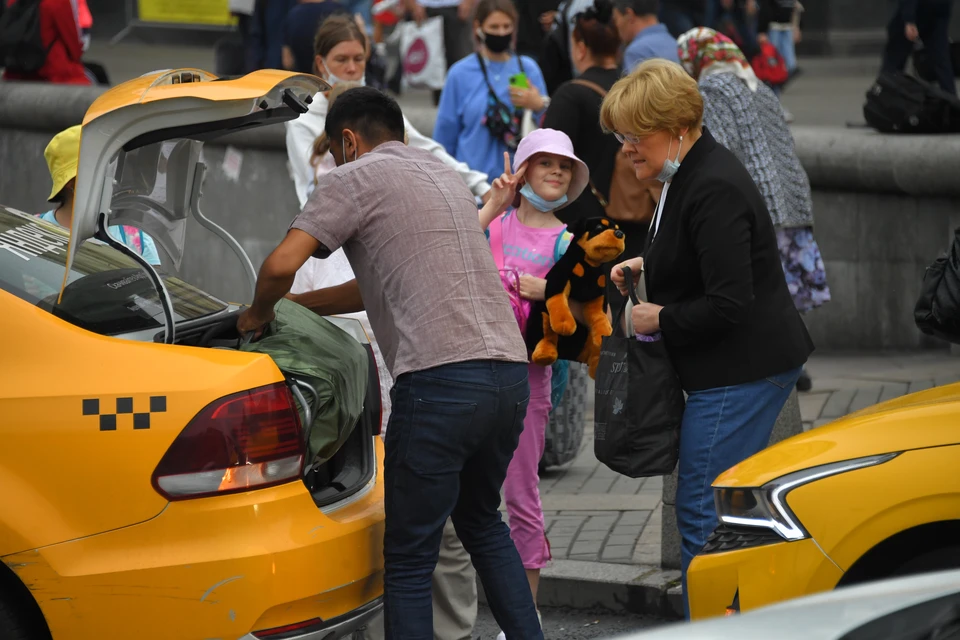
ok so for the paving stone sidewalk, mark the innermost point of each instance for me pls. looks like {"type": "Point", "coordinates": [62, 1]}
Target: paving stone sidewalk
{"type": "Point", "coordinates": [596, 515]}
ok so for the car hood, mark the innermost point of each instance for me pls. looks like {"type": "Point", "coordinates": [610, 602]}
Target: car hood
{"type": "Point", "coordinates": [140, 145]}
{"type": "Point", "coordinates": [825, 616]}
{"type": "Point", "coordinates": [917, 421]}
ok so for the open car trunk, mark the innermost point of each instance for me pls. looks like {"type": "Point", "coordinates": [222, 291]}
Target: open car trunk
{"type": "Point", "coordinates": [348, 465]}
{"type": "Point", "coordinates": [141, 164]}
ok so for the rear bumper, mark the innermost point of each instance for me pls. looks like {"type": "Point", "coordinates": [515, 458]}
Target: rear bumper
{"type": "Point", "coordinates": [340, 627]}
{"type": "Point", "coordinates": [758, 577]}
{"type": "Point", "coordinates": [221, 567]}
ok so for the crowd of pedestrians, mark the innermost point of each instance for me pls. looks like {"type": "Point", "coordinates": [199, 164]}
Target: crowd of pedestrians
{"type": "Point", "coordinates": [673, 136]}
{"type": "Point", "coordinates": [718, 224]}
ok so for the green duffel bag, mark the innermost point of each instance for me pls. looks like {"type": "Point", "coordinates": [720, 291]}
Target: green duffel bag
{"type": "Point", "coordinates": [327, 368]}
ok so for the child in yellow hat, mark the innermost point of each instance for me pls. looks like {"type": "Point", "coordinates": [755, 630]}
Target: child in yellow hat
{"type": "Point", "coordinates": [63, 156]}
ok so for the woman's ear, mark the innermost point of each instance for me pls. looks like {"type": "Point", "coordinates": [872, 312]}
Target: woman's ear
{"type": "Point", "coordinates": [318, 65]}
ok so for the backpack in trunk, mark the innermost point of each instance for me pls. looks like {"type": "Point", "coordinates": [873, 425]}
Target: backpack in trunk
{"type": "Point", "coordinates": [21, 44]}
{"type": "Point", "coordinates": [628, 199]}
{"type": "Point", "coordinates": [898, 103]}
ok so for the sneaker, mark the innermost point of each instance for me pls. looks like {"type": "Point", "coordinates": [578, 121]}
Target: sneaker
{"type": "Point", "coordinates": [503, 636]}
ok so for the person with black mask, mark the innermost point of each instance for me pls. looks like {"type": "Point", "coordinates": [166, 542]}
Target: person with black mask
{"type": "Point", "coordinates": [481, 109]}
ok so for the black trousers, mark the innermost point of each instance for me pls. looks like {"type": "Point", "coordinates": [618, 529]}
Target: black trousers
{"type": "Point", "coordinates": [933, 23]}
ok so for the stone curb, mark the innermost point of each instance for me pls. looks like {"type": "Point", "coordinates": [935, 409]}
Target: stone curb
{"type": "Point", "coordinates": [619, 588]}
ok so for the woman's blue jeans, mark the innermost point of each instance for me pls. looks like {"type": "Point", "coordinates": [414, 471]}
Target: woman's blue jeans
{"type": "Point", "coordinates": [721, 427]}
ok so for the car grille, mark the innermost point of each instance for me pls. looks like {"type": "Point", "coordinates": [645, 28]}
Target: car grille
{"type": "Point", "coordinates": [727, 538]}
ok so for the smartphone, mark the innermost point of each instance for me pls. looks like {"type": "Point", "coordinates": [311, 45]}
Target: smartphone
{"type": "Point", "coordinates": [519, 80]}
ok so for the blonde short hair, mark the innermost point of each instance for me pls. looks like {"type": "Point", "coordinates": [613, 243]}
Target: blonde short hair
{"type": "Point", "coordinates": [657, 96]}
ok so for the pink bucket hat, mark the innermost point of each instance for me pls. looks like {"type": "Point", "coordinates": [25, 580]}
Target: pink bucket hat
{"type": "Point", "coordinates": [557, 143]}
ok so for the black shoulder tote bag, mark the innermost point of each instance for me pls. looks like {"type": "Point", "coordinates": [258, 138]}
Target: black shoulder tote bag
{"type": "Point", "coordinates": [639, 404]}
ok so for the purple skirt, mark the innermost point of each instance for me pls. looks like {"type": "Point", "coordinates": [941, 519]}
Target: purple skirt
{"type": "Point", "coordinates": [803, 267]}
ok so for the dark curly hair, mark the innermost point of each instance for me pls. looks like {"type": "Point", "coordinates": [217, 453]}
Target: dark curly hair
{"type": "Point", "coordinates": [595, 28]}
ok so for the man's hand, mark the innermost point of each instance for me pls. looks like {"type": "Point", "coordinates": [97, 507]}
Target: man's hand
{"type": "Point", "coordinates": [254, 320]}
{"type": "Point", "coordinates": [727, 4]}
{"type": "Point", "coordinates": [276, 277]}
{"type": "Point", "coordinates": [646, 318]}
{"type": "Point", "coordinates": [751, 8]}
{"type": "Point", "coordinates": [526, 98]}
{"type": "Point", "coordinates": [911, 32]}
{"type": "Point", "coordinates": [465, 10]}
{"type": "Point", "coordinates": [532, 288]}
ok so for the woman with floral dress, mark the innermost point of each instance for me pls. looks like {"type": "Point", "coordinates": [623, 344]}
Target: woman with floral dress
{"type": "Point", "coordinates": [745, 116]}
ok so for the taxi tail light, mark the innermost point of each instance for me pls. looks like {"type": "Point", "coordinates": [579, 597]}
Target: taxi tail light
{"type": "Point", "coordinates": [247, 440]}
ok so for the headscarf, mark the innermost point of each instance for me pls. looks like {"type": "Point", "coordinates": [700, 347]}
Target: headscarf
{"type": "Point", "coordinates": [704, 52]}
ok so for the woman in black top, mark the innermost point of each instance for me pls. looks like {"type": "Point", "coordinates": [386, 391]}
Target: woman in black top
{"type": "Point", "coordinates": [575, 110]}
{"type": "Point", "coordinates": [717, 294]}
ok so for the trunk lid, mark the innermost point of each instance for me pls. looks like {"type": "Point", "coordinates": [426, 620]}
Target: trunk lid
{"type": "Point", "coordinates": [140, 148]}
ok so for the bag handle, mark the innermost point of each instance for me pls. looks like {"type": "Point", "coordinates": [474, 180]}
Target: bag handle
{"type": "Point", "coordinates": [618, 330]}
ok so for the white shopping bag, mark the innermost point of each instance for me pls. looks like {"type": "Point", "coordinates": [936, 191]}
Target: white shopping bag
{"type": "Point", "coordinates": [422, 54]}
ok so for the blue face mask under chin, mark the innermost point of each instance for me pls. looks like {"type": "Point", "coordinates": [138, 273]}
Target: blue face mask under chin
{"type": "Point", "coordinates": [670, 167]}
{"type": "Point", "coordinates": [542, 204]}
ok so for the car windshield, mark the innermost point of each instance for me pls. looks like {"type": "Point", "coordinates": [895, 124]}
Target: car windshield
{"type": "Point", "coordinates": [107, 292]}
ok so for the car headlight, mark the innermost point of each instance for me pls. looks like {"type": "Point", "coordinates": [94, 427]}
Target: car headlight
{"type": "Point", "coordinates": [766, 506]}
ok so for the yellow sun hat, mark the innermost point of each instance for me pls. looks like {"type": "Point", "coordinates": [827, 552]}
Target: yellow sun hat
{"type": "Point", "coordinates": [63, 156]}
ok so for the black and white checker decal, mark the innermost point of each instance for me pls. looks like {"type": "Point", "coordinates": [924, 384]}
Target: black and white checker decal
{"type": "Point", "coordinates": [124, 406]}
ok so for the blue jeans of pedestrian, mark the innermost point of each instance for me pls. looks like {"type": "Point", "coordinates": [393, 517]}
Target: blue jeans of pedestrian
{"type": "Point", "coordinates": [782, 40]}
{"type": "Point", "coordinates": [451, 435]}
{"type": "Point", "coordinates": [721, 427]}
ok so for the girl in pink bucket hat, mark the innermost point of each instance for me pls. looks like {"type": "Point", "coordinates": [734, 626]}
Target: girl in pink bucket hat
{"type": "Point", "coordinates": [527, 239]}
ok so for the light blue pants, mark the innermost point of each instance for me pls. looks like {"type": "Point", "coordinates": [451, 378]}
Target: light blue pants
{"type": "Point", "coordinates": [782, 40]}
{"type": "Point", "coordinates": [721, 428]}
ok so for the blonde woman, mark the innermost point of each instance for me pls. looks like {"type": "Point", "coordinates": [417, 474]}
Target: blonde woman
{"type": "Point", "coordinates": [717, 294]}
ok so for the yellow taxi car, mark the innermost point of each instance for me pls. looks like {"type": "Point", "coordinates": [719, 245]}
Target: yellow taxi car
{"type": "Point", "coordinates": [154, 480]}
{"type": "Point", "coordinates": [871, 496]}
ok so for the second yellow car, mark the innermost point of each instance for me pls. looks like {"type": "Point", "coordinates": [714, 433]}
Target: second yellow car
{"type": "Point", "coordinates": [874, 495]}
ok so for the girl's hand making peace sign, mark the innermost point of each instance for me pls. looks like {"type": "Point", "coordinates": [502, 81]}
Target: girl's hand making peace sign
{"type": "Point", "coordinates": [504, 188]}
{"type": "Point", "coordinates": [502, 192]}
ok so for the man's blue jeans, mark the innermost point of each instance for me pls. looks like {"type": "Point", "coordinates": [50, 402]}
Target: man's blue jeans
{"type": "Point", "coordinates": [721, 427]}
{"type": "Point", "coordinates": [452, 433]}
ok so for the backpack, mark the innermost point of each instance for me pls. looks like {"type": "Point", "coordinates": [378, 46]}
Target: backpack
{"type": "Point", "coordinates": [770, 66]}
{"type": "Point", "coordinates": [21, 45]}
{"type": "Point", "coordinates": [898, 103]}
{"type": "Point", "coordinates": [937, 312]}
{"type": "Point", "coordinates": [626, 193]}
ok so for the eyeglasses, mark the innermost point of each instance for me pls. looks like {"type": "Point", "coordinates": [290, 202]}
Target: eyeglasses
{"type": "Point", "coordinates": [622, 137]}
